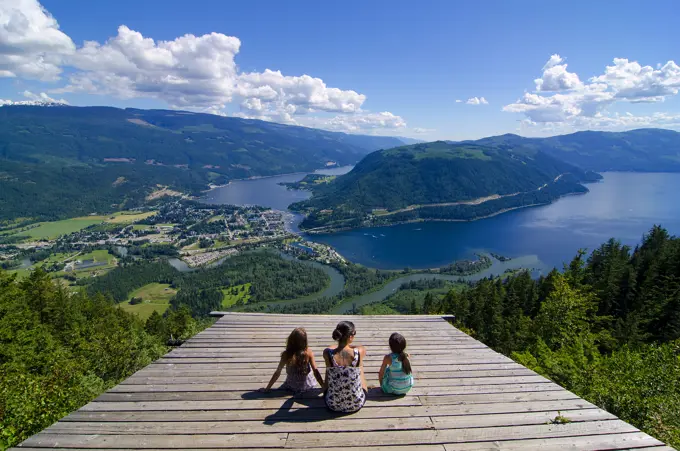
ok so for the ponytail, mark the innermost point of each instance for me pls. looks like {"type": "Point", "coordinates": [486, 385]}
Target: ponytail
{"type": "Point", "coordinates": [398, 345]}
{"type": "Point", "coordinates": [405, 362]}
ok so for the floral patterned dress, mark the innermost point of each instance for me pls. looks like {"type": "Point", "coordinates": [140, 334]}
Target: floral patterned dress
{"type": "Point", "coordinates": [345, 392]}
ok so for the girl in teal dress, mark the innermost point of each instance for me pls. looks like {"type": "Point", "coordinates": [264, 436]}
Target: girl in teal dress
{"type": "Point", "coordinates": [395, 373]}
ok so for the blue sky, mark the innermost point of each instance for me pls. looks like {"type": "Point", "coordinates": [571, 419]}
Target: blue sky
{"type": "Point", "coordinates": [393, 68]}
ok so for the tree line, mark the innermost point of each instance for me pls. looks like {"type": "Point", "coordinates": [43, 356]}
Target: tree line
{"type": "Point", "coordinates": [59, 350]}
{"type": "Point", "coordinates": [607, 327]}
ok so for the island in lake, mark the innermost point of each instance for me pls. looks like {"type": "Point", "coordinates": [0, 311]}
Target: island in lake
{"type": "Point", "coordinates": [437, 181]}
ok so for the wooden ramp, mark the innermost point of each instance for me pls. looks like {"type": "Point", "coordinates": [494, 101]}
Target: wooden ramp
{"type": "Point", "coordinates": [203, 395]}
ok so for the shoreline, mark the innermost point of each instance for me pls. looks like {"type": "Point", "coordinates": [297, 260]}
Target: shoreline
{"type": "Point", "coordinates": [319, 231]}
{"type": "Point", "coordinates": [260, 177]}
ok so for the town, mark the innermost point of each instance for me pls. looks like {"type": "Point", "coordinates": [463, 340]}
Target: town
{"type": "Point", "coordinates": [187, 232]}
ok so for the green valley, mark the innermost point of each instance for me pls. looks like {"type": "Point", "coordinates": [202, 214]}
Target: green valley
{"type": "Point", "coordinates": [60, 162]}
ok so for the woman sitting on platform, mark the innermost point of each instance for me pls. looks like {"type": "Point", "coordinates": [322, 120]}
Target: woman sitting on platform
{"type": "Point", "coordinates": [345, 381]}
{"type": "Point", "coordinates": [300, 366]}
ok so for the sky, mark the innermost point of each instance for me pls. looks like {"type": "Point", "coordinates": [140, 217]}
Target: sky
{"type": "Point", "coordinates": [427, 70]}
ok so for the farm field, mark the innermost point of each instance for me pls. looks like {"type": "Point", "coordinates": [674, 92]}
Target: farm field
{"type": "Point", "coordinates": [155, 298]}
{"type": "Point", "coordinates": [51, 230]}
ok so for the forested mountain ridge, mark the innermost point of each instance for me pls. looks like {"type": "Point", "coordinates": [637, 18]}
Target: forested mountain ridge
{"type": "Point", "coordinates": [465, 177]}
{"type": "Point", "coordinates": [642, 150]}
{"type": "Point", "coordinates": [66, 161]}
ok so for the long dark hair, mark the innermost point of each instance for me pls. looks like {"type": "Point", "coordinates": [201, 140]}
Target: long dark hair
{"type": "Point", "coordinates": [398, 346]}
{"type": "Point", "coordinates": [296, 349]}
{"type": "Point", "coordinates": [343, 331]}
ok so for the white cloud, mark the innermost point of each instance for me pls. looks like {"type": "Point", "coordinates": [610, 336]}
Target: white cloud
{"type": "Point", "coordinates": [554, 60]}
{"type": "Point", "coordinates": [35, 99]}
{"type": "Point", "coordinates": [304, 93]}
{"type": "Point", "coordinates": [190, 72]}
{"type": "Point", "coordinates": [556, 77]}
{"type": "Point", "coordinates": [477, 101]}
{"type": "Point", "coordinates": [635, 83]}
{"type": "Point", "coordinates": [576, 105]}
{"type": "Point", "coordinates": [31, 44]}
{"type": "Point", "coordinates": [459, 101]}
{"type": "Point", "coordinates": [420, 130]}
{"type": "Point", "coordinates": [365, 122]}
{"type": "Point", "coordinates": [42, 97]}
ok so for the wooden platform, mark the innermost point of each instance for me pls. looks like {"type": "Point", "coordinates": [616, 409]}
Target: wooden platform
{"type": "Point", "coordinates": [204, 395]}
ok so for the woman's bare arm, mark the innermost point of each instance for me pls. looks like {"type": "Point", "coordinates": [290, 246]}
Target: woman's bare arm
{"type": "Point", "coordinates": [276, 375]}
{"type": "Point", "coordinates": [381, 373]}
{"type": "Point", "coordinates": [362, 356]}
{"type": "Point", "coordinates": [317, 374]}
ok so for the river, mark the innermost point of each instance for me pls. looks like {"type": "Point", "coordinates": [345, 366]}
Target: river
{"type": "Point", "coordinates": [623, 206]}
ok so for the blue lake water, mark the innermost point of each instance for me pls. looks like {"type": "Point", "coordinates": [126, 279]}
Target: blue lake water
{"type": "Point", "coordinates": [266, 191]}
{"type": "Point", "coordinates": [623, 206]}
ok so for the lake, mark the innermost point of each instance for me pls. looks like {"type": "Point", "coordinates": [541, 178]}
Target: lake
{"type": "Point", "coordinates": [622, 205]}
{"type": "Point", "coordinates": [266, 191]}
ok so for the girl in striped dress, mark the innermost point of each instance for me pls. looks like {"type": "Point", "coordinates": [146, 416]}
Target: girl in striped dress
{"type": "Point", "coordinates": [395, 372]}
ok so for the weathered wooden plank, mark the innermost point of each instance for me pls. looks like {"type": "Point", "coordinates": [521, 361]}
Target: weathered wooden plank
{"type": "Point", "coordinates": [249, 404]}
{"type": "Point", "coordinates": [499, 397]}
{"type": "Point", "coordinates": [626, 441]}
{"type": "Point", "coordinates": [274, 423]}
{"type": "Point", "coordinates": [367, 439]}
{"type": "Point", "coordinates": [312, 413]}
{"type": "Point", "coordinates": [376, 359]}
{"type": "Point", "coordinates": [163, 393]}
{"type": "Point", "coordinates": [196, 441]}
{"type": "Point", "coordinates": [178, 365]}
{"type": "Point", "coordinates": [248, 383]}
{"type": "Point", "coordinates": [275, 354]}
{"type": "Point", "coordinates": [238, 375]}
{"type": "Point", "coordinates": [267, 425]}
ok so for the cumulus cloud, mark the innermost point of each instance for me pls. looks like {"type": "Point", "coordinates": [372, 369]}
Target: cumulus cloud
{"type": "Point", "coordinates": [42, 97]}
{"type": "Point", "coordinates": [31, 44]}
{"type": "Point", "coordinates": [365, 122]}
{"type": "Point", "coordinates": [637, 83]}
{"type": "Point", "coordinates": [304, 93]}
{"type": "Point", "coordinates": [477, 101]}
{"type": "Point", "coordinates": [561, 101]}
{"type": "Point", "coordinates": [189, 71]}
{"type": "Point", "coordinates": [192, 72]}
{"type": "Point", "coordinates": [556, 77]}
{"type": "Point", "coordinates": [459, 101]}
{"type": "Point", "coordinates": [34, 99]}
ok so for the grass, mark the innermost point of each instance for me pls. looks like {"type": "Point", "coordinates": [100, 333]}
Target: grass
{"type": "Point", "coordinates": [51, 230]}
{"type": "Point", "coordinates": [156, 298]}
{"type": "Point", "coordinates": [128, 217]}
{"type": "Point", "coordinates": [243, 293]}
{"type": "Point", "coordinates": [98, 256]}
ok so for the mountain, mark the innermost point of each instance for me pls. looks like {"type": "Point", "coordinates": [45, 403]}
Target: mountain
{"type": "Point", "coordinates": [63, 161]}
{"type": "Point", "coordinates": [409, 141]}
{"type": "Point", "coordinates": [643, 150]}
{"type": "Point", "coordinates": [439, 180]}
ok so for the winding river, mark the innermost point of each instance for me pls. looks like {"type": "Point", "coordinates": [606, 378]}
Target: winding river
{"type": "Point", "coordinates": [623, 206]}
